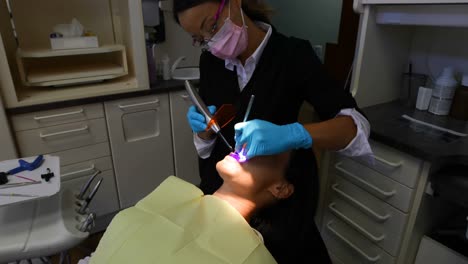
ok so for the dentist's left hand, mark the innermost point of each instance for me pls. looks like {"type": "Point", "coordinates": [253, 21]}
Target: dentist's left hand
{"type": "Point", "coordinates": [264, 138]}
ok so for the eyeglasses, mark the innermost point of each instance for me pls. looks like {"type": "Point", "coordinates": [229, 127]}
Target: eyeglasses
{"type": "Point", "coordinates": [210, 30]}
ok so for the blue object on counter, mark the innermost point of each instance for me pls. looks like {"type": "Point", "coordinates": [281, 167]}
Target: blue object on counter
{"type": "Point", "coordinates": [29, 166]}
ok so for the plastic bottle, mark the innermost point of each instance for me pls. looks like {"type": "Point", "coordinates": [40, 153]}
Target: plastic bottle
{"type": "Point", "coordinates": [166, 67]}
{"type": "Point", "coordinates": [150, 57]}
{"type": "Point", "coordinates": [459, 108]}
{"type": "Point", "coordinates": [442, 94]}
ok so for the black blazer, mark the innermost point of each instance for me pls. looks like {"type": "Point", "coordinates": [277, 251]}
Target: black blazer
{"type": "Point", "coordinates": [287, 74]}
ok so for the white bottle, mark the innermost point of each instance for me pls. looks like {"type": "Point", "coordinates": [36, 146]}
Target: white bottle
{"type": "Point", "coordinates": [443, 92]}
{"type": "Point", "coordinates": [166, 67]}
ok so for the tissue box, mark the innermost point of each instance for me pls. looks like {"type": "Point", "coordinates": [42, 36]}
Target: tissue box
{"type": "Point", "coordinates": [74, 43]}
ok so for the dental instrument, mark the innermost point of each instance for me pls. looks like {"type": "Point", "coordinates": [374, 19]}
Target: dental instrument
{"type": "Point", "coordinates": [87, 223]}
{"type": "Point", "coordinates": [85, 186]}
{"type": "Point", "coordinates": [24, 165]}
{"type": "Point", "coordinates": [17, 195]}
{"type": "Point", "coordinates": [249, 107]}
{"type": "Point", "coordinates": [239, 156]}
{"type": "Point", "coordinates": [11, 185]}
{"type": "Point", "coordinates": [90, 197]}
{"type": "Point", "coordinates": [211, 122]}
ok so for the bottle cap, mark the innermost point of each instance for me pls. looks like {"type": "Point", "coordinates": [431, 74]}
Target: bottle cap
{"type": "Point", "coordinates": [448, 71]}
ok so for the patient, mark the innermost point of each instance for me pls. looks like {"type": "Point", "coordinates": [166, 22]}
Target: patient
{"type": "Point", "coordinates": [176, 223]}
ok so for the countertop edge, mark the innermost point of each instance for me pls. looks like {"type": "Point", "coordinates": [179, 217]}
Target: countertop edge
{"type": "Point", "coordinates": [160, 87]}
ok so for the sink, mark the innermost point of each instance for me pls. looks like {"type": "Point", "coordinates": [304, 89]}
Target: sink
{"type": "Point", "coordinates": [186, 73]}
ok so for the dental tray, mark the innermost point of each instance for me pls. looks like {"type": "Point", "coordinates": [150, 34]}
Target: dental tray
{"type": "Point", "coordinates": [24, 193]}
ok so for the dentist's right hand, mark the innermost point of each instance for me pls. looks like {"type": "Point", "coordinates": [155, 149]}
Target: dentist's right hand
{"type": "Point", "coordinates": [196, 120]}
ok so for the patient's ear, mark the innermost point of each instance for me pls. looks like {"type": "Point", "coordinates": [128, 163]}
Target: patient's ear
{"type": "Point", "coordinates": [282, 190]}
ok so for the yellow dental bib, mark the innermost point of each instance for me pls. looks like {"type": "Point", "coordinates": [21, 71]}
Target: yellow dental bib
{"type": "Point", "coordinates": [176, 223]}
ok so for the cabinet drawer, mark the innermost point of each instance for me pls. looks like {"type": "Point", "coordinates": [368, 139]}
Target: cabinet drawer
{"type": "Point", "coordinates": [397, 165]}
{"type": "Point", "coordinates": [373, 218]}
{"type": "Point", "coordinates": [350, 247]}
{"type": "Point", "coordinates": [56, 117]}
{"type": "Point", "coordinates": [106, 200]}
{"type": "Point", "coordinates": [76, 155]}
{"type": "Point", "coordinates": [375, 183]}
{"type": "Point", "coordinates": [86, 168]}
{"type": "Point", "coordinates": [62, 137]}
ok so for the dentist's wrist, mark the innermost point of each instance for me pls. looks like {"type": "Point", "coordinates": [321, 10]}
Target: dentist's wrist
{"type": "Point", "coordinates": [300, 136]}
{"type": "Point", "coordinates": [207, 135]}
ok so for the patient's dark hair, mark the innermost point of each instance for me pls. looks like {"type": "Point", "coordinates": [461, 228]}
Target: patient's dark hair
{"type": "Point", "coordinates": [288, 227]}
{"type": "Point", "coordinates": [256, 10]}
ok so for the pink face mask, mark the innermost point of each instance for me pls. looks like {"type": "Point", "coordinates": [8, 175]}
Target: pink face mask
{"type": "Point", "coordinates": [230, 41]}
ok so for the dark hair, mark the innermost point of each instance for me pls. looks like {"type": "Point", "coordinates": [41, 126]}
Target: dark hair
{"type": "Point", "coordinates": [288, 227]}
{"type": "Point", "coordinates": [256, 10]}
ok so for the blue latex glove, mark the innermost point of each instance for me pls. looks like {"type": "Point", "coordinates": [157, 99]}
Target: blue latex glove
{"type": "Point", "coordinates": [264, 138]}
{"type": "Point", "coordinates": [197, 120]}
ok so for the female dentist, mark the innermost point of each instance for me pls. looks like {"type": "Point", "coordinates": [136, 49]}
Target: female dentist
{"type": "Point", "coordinates": [245, 55]}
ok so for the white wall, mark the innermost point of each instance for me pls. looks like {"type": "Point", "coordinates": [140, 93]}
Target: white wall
{"type": "Point", "coordinates": [434, 48]}
{"type": "Point", "coordinates": [178, 42]}
{"type": "Point", "coordinates": [315, 20]}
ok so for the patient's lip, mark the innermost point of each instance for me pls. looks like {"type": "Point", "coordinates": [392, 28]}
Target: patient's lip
{"type": "Point", "coordinates": [240, 158]}
{"type": "Point", "coordinates": [234, 156]}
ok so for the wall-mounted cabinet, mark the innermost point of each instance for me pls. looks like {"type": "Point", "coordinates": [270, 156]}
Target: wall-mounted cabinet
{"type": "Point", "coordinates": [71, 67]}
{"type": "Point", "coordinates": [39, 74]}
{"type": "Point", "coordinates": [430, 37]}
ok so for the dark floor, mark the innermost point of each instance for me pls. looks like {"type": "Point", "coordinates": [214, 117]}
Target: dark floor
{"type": "Point", "coordinates": [81, 251]}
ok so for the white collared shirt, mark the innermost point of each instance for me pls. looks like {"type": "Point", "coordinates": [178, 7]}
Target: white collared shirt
{"type": "Point", "coordinates": [245, 72]}
{"type": "Point", "coordinates": [359, 146]}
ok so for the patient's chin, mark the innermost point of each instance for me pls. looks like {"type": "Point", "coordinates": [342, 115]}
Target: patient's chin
{"type": "Point", "coordinates": [228, 167]}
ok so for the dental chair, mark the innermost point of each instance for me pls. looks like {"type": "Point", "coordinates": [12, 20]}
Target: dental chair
{"type": "Point", "coordinates": [45, 227]}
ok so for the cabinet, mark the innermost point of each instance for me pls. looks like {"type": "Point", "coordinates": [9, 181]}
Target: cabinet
{"type": "Point", "coordinates": [368, 206]}
{"type": "Point", "coordinates": [185, 154]}
{"type": "Point", "coordinates": [136, 143]}
{"type": "Point", "coordinates": [35, 73]}
{"type": "Point", "coordinates": [78, 135]}
{"type": "Point", "coordinates": [141, 143]}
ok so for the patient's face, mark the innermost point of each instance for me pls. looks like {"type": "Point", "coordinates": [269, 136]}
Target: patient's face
{"type": "Point", "coordinates": [254, 175]}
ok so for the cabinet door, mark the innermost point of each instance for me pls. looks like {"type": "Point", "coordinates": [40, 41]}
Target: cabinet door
{"type": "Point", "coordinates": [141, 145]}
{"type": "Point", "coordinates": [185, 154]}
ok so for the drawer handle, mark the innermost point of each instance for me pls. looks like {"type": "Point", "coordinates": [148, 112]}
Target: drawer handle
{"type": "Point", "coordinates": [39, 118]}
{"type": "Point", "coordinates": [393, 165]}
{"type": "Point", "coordinates": [356, 226]}
{"type": "Point", "coordinates": [43, 136]}
{"type": "Point", "coordinates": [366, 209]}
{"type": "Point", "coordinates": [90, 169]}
{"type": "Point", "coordinates": [123, 107]}
{"type": "Point", "coordinates": [373, 187]}
{"type": "Point", "coordinates": [184, 96]}
{"type": "Point", "coordinates": [351, 245]}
